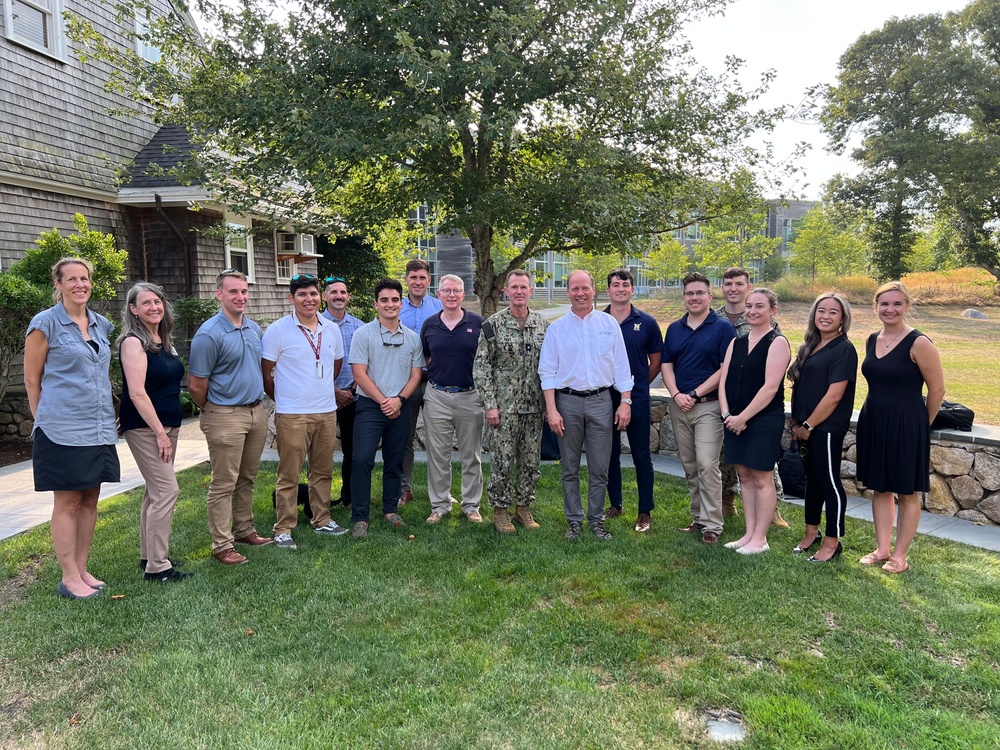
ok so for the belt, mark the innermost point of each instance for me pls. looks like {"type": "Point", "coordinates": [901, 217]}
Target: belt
{"type": "Point", "coordinates": [705, 399]}
{"type": "Point", "coordinates": [450, 388]}
{"type": "Point", "coordinates": [255, 404]}
{"type": "Point", "coordinates": [583, 394]}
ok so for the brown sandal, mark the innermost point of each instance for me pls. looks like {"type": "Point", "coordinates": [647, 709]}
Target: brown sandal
{"type": "Point", "coordinates": [872, 558]}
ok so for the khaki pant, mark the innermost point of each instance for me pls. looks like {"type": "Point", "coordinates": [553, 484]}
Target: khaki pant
{"type": "Point", "coordinates": [699, 435]}
{"type": "Point", "coordinates": [157, 512]}
{"type": "Point", "coordinates": [449, 417]}
{"type": "Point", "coordinates": [235, 436]}
{"type": "Point", "coordinates": [300, 436]}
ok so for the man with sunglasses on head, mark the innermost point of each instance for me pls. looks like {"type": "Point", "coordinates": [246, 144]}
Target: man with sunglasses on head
{"type": "Point", "coordinates": [387, 360]}
{"type": "Point", "coordinates": [337, 298]}
{"type": "Point", "coordinates": [417, 307]}
{"type": "Point", "coordinates": [224, 379]}
{"type": "Point", "coordinates": [302, 356]}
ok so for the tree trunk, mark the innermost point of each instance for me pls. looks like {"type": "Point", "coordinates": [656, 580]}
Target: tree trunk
{"type": "Point", "coordinates": [487, 285]}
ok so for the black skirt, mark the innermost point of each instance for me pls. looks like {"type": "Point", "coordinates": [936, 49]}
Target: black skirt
{"type": "Point", "coordinates": [759, 445]}
{"type": "Point", "coordinates": [72, 468]}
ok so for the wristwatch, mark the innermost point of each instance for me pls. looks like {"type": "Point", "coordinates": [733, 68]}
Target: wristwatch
{"type": "Point", "coordinates": [693, 393]}
{"type": "Point", "coordinates": [725, 416]}
{"type": "Point", "coordinates": [627, 401]}
{"type": "Point", "coordinates": [808, 427]}
{"type": "Point", "coordinates": [402, 399]}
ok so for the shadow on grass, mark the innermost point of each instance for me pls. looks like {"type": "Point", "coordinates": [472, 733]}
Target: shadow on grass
{"type": "Point", "coordinates": [462, 638]}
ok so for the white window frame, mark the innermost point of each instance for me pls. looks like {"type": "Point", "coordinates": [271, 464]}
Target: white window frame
{"type": "Point", "coordinates": [54, 30]}
{"type": "Point", "coordinates": [245, 227]}
{"type": "Point", "coordinates": [286, 243]}
{"type": "Point", "coordinates": [146, 51]}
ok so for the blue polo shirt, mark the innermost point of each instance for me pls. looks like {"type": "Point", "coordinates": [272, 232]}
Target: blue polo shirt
{"type": "Point", "coordinates": [450, 354]}
{"type": "Point", "coordinates": [642, 338]}
{"type": "Point", "coordinates": [696, 354]}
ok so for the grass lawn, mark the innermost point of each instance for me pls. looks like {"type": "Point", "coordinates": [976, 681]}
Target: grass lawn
{"type": "Point", "coordinates": [969, 349]}
{"type": "Point", "coordinates": [461, 638]}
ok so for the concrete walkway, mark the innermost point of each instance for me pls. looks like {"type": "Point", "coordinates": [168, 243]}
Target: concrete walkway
{"type": "Point", "coordinates": [21, 508]}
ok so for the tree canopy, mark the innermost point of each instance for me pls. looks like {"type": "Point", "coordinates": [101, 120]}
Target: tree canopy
{"type": "Point", "coordinates": [560, 124]}
{"type": "Point", "coordinates": [923, 96]}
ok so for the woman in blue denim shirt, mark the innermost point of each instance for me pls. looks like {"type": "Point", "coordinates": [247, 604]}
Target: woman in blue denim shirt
{"type": "Point", "coordinates": [67, 353]}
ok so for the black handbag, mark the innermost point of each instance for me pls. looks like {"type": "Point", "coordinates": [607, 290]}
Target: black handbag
{"type": "Point", "coordinates": [792, 471]}
{"type": "Point", "coordinates": [952, 416]}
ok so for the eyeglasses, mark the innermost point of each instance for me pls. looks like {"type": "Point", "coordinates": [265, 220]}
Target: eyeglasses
{"type": "Point", "coordinates": [450, 292]}
{"type": "Point", "coordinates": [699, 293]}
{"type": "Point", "coordinates": [331, 279]}
{"type": "Point", "coordinates": [391, 334]}
{"type": "Point", "coordinates": [304, 277]}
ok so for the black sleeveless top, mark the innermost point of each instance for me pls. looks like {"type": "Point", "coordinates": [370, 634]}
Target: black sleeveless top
{"type": "Point", "coordinates": [746, 375]}
{"type": "Point", "coordinates": [163, 386]}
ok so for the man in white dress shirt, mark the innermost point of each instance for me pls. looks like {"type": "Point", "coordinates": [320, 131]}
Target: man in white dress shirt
{"type": "Point", "coordinates": [583, 356]}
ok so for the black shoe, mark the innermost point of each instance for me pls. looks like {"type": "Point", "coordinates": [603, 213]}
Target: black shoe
{"type": "Point", "coordinates": [173, 563]}
{"type": "Point", "coordinates": [799, 550]}
{"type": "Point", "coordinates": [170, 575]}
{"type": "Point", "coordinates": [834, 556]}
{"type": "Point", "coordinates": [573, 529]}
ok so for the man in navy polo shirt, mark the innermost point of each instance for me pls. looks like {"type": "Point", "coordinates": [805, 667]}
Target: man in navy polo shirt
{"type": "Point", "coordinates": [693, 351]}
{"type": "Point", "coordinates": [452, 406]}
{"type": "Point", "coordinates": [643, 344]}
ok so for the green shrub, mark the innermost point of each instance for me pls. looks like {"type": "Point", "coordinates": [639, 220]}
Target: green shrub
{"type": "Point", "coordinates": [20, 300]}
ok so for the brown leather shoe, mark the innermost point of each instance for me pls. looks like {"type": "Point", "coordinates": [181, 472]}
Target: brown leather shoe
{"type": "Point", "coordinates": [613, 512]}
{"type": "Point", "coordinates": [709, 537]}
{"type": "Point", "coordinates": [694, 528]}
{"type": "Point", "coordinates": [405, 497]}
{"type": "Point", "coordinates": [474, 516]}
{"type": "Point", "coordinates": [255, 539]}
{"type": "Point", "coordinates": [229, 557]}
{"type": "Point", "coordinates": [643, 523]}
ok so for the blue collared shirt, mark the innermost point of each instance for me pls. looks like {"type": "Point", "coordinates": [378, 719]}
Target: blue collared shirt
{"type": "Point", "coordinates": [75, 405]}
{"type": "Point", "coordinates": [230, 358]}
{"type": "Point", "coordinates": [347, 328]}
{"type": "Point", "coordinates": [413, 317]}
{"type": "Point", "coordinates": [697, 353]}
{"type": "Point", "coordinates": [642, 338]}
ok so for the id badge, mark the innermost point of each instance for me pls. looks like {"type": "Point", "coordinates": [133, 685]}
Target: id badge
{"type": "Point", "coordinates": [319, 369]}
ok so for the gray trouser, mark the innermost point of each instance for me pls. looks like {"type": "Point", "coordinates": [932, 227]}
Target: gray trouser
{"type": "Point", "coordinates": [699, 435]}
{"type": "Point", "coordinates": [586, 421]}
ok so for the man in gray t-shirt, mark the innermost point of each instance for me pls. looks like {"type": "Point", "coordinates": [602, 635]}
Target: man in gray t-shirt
{"type": "Point", "coordinates": [386, 358]}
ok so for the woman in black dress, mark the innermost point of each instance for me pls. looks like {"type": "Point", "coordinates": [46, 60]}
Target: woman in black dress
{"type": "Point", "coordinates": [894, 425]}
{"type": "Point", "coordinates": [752, 398]}
{"type": "Point", "coordinates": [823, 378]}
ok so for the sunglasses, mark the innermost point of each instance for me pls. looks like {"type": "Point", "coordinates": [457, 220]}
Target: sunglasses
{"type": "Point", "coordinates": [304, 277]}
{"type": "Point", "coordinates": [331, 279]}
{"type": "Point", "coordinates": [389, 343]}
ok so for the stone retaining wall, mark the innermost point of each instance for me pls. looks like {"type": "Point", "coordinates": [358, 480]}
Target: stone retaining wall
{"type": "Point", "coordinates": [15, 417]}
{"type": "Point", "coordinates": [965, 466]}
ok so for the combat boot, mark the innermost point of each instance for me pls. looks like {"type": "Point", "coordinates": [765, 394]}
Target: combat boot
{"type": "Point", "coordinates": [778, 521]}
{"type": "Point", "coordinates": [501, 521]}
{"type": "Point", "coordinates": [523, 517]}
{"type": "Point", "coordinates": [729, 506]}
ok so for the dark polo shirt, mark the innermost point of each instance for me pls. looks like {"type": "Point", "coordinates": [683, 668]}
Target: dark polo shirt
{"type": "Point", "coordinates": [642, 338]}
{"type": "Point", "coordinates": [450, 354]}
{"type": "Point", "coordinates": [696, 354]}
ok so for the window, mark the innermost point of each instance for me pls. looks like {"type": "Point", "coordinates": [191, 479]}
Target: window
{"type": "Point", "coordinates": [239, 246]}
{"type": "Point", "coordinates": [560, 270]}
{"type": "Point", "coordinates": [427, 242]}
{"type": "Point", "coordinates": [287, 247]}
{"type": "Point", "coordinates": [36, 24]}
{"type": "Point", "coordinates": [145, 49]}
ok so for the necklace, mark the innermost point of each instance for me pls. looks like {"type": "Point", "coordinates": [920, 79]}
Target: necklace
{"type": "Point", "coordinates": [755, 340]}
{"type": "Point", "coordinates": [889, 343]}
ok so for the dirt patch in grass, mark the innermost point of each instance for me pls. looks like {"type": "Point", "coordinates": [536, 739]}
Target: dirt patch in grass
{"type": "Point", "coordinates": [12, 590]}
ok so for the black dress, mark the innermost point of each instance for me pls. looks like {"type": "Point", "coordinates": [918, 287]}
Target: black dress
{"type": "Point", "coordinates": [894, 435]}
{"type": "Point", "coordinates": [759, 445]}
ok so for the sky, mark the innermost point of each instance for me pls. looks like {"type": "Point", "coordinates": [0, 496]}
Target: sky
{"type": "Point", "coordinates": [802, 41]}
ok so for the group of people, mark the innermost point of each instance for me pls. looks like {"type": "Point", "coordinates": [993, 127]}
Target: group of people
{"type": "Point", "coordinates": [587, 375]}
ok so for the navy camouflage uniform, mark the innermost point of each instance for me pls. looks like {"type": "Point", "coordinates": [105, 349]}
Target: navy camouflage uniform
{"type": "Point", "coordinates": [506, 375]}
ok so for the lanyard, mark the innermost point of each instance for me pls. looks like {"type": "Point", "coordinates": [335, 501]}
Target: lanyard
{"type": "Point", "coordinates": [315, 347]}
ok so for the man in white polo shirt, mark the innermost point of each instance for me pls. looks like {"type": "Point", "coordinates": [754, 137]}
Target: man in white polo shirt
{"type": "Point", "coordinates": [302, 356]}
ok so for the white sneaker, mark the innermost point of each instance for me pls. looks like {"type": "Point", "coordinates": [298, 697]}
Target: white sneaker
{"type": "Point", "coordinates": [332, 529]}
{"type": "Point", "coordinates": [285, 541]}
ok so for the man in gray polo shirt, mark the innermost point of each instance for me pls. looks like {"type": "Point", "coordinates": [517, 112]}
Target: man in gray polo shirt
{"type": "Point", "coordinates": [386, 358]}
{"type": "Point", "coordinates": [225, 380]}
